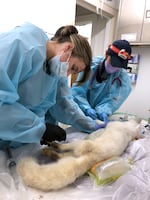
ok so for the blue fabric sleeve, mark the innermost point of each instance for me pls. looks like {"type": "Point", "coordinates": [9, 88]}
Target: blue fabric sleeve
{"type": "Point", "coordinates": [22, 53]}
{"type": "Point", "coordinates": [80, 93]}
{"type": "Point", "coordinates": [67, 111]}
{"type": "Point", "coordinates": [20, 124]}
{"type": "Point", "coordinates": [106, 96]}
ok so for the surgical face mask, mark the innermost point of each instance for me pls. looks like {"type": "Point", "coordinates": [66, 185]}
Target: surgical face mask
{"type": "Point", "coordinates": [110, 69]}
{"type": "Point", "coordinates": [57, 67]}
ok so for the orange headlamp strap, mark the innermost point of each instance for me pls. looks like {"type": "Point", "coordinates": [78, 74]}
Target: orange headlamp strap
{"type": "Point", "coordinates": [121, 53]}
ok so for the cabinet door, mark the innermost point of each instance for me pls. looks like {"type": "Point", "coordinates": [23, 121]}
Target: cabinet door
{"type": "Point", "coordinates": [146, 25]}
{"type": "Point", "coordinates": [130, 20]}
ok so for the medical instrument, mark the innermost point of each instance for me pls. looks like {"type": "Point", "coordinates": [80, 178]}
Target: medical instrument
{"type": "Point", "coordinates": [147, 126]}
{"type": "Point", "coordinates": [117, 79]}
{"type": "Point", "coordinates": [11, 164]}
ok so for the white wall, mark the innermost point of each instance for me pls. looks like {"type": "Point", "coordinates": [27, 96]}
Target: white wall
{"type": "Point", "coordinates": [105, 6]}
{"type": "Point", "coordinates": [102, 31]}
{"type": "Point", "coordinates": [102, 34]}
{"type": "Point", "coordinates": [47, 14]}
{"type": "Point", "coordinates": [98, 35]}
{"type": "Point", "coordinates": [103, 23]}
{"type": "Point", "coordinates": [139, 100]}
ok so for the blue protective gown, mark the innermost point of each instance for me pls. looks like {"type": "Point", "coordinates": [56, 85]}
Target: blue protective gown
{"type": "Point", "coordinates": [106, 96]}
{"type": "Point", "coordinates": [67, 111]}
{"type": "Point", "coordinates": [26, 91]}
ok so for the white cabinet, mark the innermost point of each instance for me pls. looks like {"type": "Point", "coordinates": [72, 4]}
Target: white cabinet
{"type": "Point", "coordinates": [134, 21]}
{"type": "Point", "coordinates": [145, 36]}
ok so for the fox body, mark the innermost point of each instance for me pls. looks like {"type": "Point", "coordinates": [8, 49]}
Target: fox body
{"type": "Point", "coordinates": [75, 158]}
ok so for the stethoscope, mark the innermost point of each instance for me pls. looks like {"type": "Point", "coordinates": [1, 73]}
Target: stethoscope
{"type": "Point", "coordinates": [117, 79]}
{"type": "Point", "coordinates": [99, 70]}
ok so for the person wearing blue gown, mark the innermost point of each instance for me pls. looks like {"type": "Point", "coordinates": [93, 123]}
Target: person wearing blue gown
{"type": "Point", "coordinates": [109, 84]}
{"type": "Point", "coordinates": [32, 67]}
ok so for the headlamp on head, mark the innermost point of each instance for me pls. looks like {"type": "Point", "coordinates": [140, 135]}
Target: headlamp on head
{"type": "Point", "coordinates": [121, 52]}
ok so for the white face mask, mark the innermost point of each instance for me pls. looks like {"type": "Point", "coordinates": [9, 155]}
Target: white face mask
{"type": "Point", "coordinates": [57, 67]}
{"type": "Point", "coordinates": [64, 68]}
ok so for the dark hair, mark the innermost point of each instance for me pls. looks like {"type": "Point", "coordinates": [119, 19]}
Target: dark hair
{"type": "Point", "coordinates": [81, 48]}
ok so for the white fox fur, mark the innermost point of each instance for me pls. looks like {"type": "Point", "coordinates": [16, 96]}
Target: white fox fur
{"type": "Point", "coordinates": [85, 153]}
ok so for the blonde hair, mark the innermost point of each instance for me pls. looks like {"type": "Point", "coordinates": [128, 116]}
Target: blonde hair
{"type": "Point", "coordinates": [81, 48]}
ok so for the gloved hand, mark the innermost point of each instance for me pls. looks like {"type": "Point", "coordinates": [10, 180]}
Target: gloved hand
{"type": "Point", "coordinates": [91, 113]}
{"type": "Point", "coordinates": [52, 133]}
{"type": "Point", "coordinates": [103, 117]}
{"type": "Point", "coordinates": [99, 126]}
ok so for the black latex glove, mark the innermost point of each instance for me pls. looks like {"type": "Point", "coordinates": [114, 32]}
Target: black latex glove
{"type": "Point", "coordinates": [53, 133]}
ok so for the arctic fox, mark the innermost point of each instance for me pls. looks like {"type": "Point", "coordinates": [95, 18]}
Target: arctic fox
{"type": "Point", "coordinates": [77, 157]}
